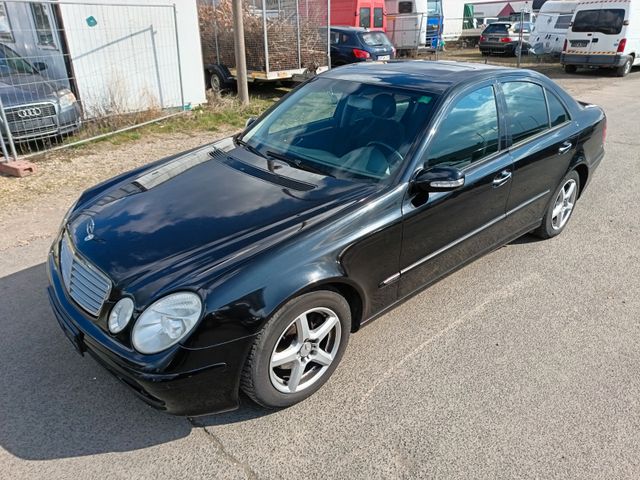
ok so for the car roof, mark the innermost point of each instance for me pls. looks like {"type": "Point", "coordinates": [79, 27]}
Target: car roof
{"type": "Point", "coordinates": [347, 28]}
{"type": "Point", "coordinates": [436, 77]}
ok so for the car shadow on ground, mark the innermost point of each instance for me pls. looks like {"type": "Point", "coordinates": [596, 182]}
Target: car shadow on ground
{"type": "Point", "coordinates": [57, 404]}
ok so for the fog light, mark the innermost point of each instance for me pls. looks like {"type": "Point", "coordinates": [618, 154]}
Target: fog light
{"type": "Point", "coordinates": [120, 315]}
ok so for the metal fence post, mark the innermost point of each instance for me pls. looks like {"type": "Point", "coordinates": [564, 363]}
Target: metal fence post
{"type": "Point", "coordinates": [215, 31]}
{"type": "Point", "coordinates": [520, 37]}
{"type": "Point", "coordinates": [266, 39]}
{"type": "Point", "coordinates": [328, 32]}
{"type": "Point", "coordinates": [5, 125]}
{"type": "Point", "coordinates": [298, 33]}
{"type": "Point", "coordinates": [175, 24]}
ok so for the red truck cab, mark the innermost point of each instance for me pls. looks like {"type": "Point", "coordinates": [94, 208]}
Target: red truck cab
{"type": "Point", "coordinates": [359, 13]}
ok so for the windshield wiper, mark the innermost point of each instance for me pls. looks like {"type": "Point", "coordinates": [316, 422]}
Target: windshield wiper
{"type": "Point", "coordinates": [297, 163]}
{"type": "Point", "coordinates": [251, 148]}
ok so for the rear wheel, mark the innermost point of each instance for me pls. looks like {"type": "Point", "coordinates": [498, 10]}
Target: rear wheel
{"type": "Point", "coordinates": [298, 350]}
{"type": "Point", "coordinates": [561, 207]}
{"type": "Point", "coordinates": [625, 69]}
{"type": "Point", "coordinates": [570, 68]}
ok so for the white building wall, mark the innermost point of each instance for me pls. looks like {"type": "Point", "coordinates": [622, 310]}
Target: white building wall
{"type": "Point", "coordinates": [125, 58]}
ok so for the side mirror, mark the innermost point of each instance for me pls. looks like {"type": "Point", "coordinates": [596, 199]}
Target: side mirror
{"type": "Point", "coordinates": [438, 179]}
{"type": "Point", "coordinates": [249, 121]}
{"type": "Point", "coordinates": [40, 66]}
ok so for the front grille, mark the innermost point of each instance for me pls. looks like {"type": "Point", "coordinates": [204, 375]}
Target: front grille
{"type": "Point", "coordinates": [88, 287]}
{"type": "Point", "coordinates": [32, 120]}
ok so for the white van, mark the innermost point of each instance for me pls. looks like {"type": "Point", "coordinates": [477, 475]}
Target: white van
{"type": "Point", "coordinates": [550, 30]}
{"type": "Point", "coordinates": [604, 34]}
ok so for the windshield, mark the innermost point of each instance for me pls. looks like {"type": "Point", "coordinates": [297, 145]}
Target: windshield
{"type": "Point", "coordinates": [607, 20]}
{"type": "Point", "coordinates": [346, 129]}
{"type": "Point", "coordinates": [433, 7]}
{"type": "Point", "coordinates": [375, 39]}
{"type": "Point", "coordinates": [11, 63]}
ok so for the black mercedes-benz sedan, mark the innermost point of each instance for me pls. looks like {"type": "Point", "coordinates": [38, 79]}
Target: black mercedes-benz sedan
{"type": "Point", "coordinates": [247, 263]}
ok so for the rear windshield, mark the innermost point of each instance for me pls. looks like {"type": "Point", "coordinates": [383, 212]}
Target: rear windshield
{"type": "Point", "coordinates": [607, 20]}
{"type": "Point", "coordinates": [375, 39]}
{"type": "Point", "coordinates": [500, 28]}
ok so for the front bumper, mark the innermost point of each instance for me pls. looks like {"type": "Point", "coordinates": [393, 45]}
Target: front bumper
{"type": "Point", "coordinates": [580, 60]}
{"type": "Point", "coordinates": [184, 382]}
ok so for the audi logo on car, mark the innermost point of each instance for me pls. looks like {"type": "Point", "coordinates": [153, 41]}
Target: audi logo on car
{"type": "Point", "coordinates": [29, 112]}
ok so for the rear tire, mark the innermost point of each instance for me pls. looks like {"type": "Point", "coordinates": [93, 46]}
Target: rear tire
{"type": "Point", "coordinates": [560, 207]}
{"type": "Point", "coordinates": [625, 69]}
{"type": "Point", "coordinates": [570, 68]}
{"type": "Point", "coordinates": [298, 349]}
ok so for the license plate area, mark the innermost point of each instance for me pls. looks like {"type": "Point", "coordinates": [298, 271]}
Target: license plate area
{"type": "Point", "coordinates": [384, 57]}
{"type": "Point", "coordinates": [579, 43]}
{"type": "Point", "coordinates": [73, 334]}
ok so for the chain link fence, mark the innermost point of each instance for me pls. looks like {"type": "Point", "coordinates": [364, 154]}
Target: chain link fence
{"type": "Point", "coordinates": [74, 71]}
{"type": "Point", "coordinates": [282, 37]}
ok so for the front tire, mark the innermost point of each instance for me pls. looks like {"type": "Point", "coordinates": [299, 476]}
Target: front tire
{"type": "Point", "coordinates": [298, 349]}
{"type": "Point", "coordinates": [570, 68]}
{"type": "Point", "coordinates": [560, 208]}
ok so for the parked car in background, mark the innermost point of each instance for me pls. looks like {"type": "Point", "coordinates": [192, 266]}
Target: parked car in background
{"type": "Point", "coordinates": [504, 38]}
{"type": "Point", "coordinates": [550, 29]}
{"type": "Point", "coordinates": [35, 107]}
{"type": "Point", "coordinates": [247, 263]}
{"type": "Point", "coordinates": [355, 44]}
{"type": "Point", "coordinates": [603, 35]}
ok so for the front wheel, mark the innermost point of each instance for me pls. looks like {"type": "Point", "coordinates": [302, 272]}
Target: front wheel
{"type": "Point", "coordinates": [298, 350]}
{"type": "Point", "coordinates": [570, 68]}
{"type": "Point", "coordinates": [561, 207]}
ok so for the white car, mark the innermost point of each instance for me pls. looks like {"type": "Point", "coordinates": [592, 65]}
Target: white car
{"type": "Point", "coordinates": [550, 29]}
{"type": "Point", "coordinates": [603, 34]}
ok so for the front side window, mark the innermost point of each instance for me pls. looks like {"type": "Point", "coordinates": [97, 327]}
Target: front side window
{"type": "Point", "coordinates": [351, 130]}
{"type": "Point", "coordinates": [605, 20]}
{"type": "Point", "coordinates": [44, 30]}
{"type": "Point", "coordinates": [365, 17]}
{"type": "Point", "coordinates": [469, 132]}
{"type": "Point", "coordinates": [433, 7]}
{"type": "Point", "coordinates": [378, 17]}
{"type": "Point", "coordinates": [6, 34]}
{"type": "Point", "coordinates": [335, 38]}
{"type": "Point", "coordinates": [557, 113]}
{"type": "Point", "coordinates": [526, 109]}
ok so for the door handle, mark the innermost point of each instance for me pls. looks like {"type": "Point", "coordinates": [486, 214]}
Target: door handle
{"type": "Point", "coordinates": [502, 178]}
{"type": "Point", "coordinates": [566, 146]}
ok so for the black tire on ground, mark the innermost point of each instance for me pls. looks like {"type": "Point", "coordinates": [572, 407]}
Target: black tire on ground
{"type": "Point", "coordinates": [546, 229]}
{"type": "Point", "coordinates": [256, 376]}
{"type": "Point", "coordinates": [625, 69]}
{"type": "Point", "coordinates": [570, 68]}
{"type": "Point", "coordinates": [216, 82]}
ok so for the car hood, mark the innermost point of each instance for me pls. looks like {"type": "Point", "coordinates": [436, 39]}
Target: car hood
{"type": "Point", "coordinates": [23, 89]}
{"type": "Point", "coordinates": [200, 212]}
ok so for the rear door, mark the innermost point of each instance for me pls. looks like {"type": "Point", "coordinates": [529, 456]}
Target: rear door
{"type": "Point", "coordinates": [542, 145]}
{"type": "Point", "coordinates": [598, 29]}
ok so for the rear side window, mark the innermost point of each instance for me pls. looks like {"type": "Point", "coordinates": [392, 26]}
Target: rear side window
{"type": "Point", "coordinates": [469, 132]}
{"type": "Point", "coordinates": [526, 109]}
{"type": "Point", "coordinates": [377, 17]}
{"type": "Point", "coordinates": [365, 17]}
{"type": "Point", "coordinates": [405, 7]}
{"type": "Point", "coordinates": [606, 20]}
{"type": "Point", "coordinates": [557, 113]}
{"type": "Point", "coordinates": [500, 28]}
{"type": "Point", "coordinates": [563, 22]}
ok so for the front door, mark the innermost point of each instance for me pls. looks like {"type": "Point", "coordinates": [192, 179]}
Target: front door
{"type": "Point", "coordinates": [444, 230]}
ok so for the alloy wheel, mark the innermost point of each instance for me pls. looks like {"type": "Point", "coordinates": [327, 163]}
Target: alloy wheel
{"type": "Point", "coordinates": [305, 350]}
{"type": "Point", "coordinates": [563, 206]}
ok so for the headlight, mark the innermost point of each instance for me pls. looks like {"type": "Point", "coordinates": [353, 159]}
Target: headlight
{"type": "Point", "coordinates": [166, 322]}
{"type": "Point", "coordinates": [120, 315]}
{"type": "Point", "coordinates": [66, 98]}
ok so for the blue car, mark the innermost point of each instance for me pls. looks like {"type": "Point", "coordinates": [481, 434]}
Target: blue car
{"type": "Point", "coordinates": [357, 44]}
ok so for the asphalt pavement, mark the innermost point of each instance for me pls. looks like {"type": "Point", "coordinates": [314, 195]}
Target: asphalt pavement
{"type": "Point", "coordinates": [522, 365]}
